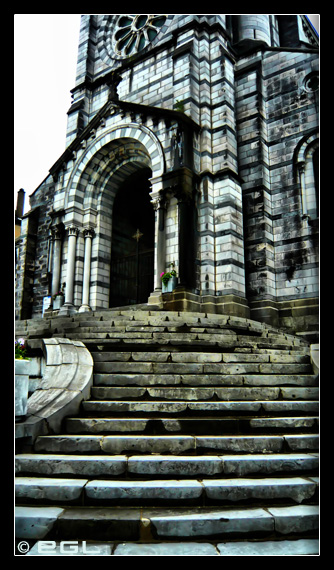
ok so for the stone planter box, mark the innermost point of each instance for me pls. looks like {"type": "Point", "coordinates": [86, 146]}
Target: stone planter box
{"type": "Point", "coordinates": [172, 283]}
{"type": "Point", "coordinates": [21, 387]}
{"type": "Point", "coordinates": [58, 302]}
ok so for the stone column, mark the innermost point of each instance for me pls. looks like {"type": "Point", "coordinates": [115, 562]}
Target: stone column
{"type": "Point", "coordinates": [160, 252]}
{"type": "Point", "coordinates": [159, 204]}
{"type": "Point", "coordinates": [57, 235]}
{"type": "Point", "coordinates": [68, 306]}
{"type": "Point", "coordinates": [88, 234]}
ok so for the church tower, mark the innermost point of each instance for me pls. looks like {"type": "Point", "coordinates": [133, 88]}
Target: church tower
{"type": "Point", "coordinates": [192, 143]}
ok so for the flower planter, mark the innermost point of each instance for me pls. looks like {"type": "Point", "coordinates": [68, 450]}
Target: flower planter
{"type": "Point", "coordinates": [58, 302]}
{"type": "Point", "coordinates": [21, 387]}
{"type": "Point", "coordinates": [172, 283]}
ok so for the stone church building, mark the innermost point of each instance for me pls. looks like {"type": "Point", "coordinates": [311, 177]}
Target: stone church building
{"type": "Point", "coordinates": [192, 140]}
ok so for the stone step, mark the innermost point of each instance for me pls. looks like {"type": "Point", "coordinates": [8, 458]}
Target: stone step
{"type": "Point", "coordinates": [174, 444]}
{"type": "Point", "coordinates": [200, 429]}
{"type": "Point", "coordinates": [157, 324]}
{"type": "Point", "coordinates": [189, 394]}
{"type": "Point", "coordinates": [199, 368]}
{"type": "Point", "coordinates": [189, 425]}
{"type": "Point", "coordinates": [246, 548]}
{"type": "Point", "coordinates": [299, 547]}
{"type": "Point", "coordinates": [206, 491]}
{"type": "Point", "coordinates": [218, 407]}
{"type": "Point", "coordinates": [147, 379]}
{"type": "Point", "coordinates": [165, 465]}
{"type": "Point", "coordinates": [136, 523]}
{"type": "Point", "coordinates": [200, 357]}
{"type": "Point", "coordinates": [180, 338]}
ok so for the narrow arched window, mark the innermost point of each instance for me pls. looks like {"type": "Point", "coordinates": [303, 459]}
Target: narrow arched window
{"type": "Point", "coordinates": [308, 174]}
{"type": "Point", "coordinates": [311, 187]}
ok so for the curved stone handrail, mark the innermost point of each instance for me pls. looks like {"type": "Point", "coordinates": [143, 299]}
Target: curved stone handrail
{"type": "Point", "coordinates": [67, 380]}
{"type": "Point", "coordinates": [314, 355]}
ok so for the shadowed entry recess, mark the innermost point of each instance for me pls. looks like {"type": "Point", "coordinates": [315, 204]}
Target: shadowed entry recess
{"type": "Point", "coordinates": [132, 259]}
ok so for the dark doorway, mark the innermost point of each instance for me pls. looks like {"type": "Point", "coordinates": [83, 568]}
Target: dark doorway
{"type": "Point", "coordinates": [132, 259]}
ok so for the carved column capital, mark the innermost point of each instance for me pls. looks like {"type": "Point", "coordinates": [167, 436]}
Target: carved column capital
{"type": "Point", "coordinates": [88, 233]}
{"type": "Point", "coordinates": [72, 230]}
{"type": "Point", "coordinates": [57, 231]}
{"type": "Point", "coordinates": [159, 202]}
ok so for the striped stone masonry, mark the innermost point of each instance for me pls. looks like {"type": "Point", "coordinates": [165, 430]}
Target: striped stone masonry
{"type": "Point", "coordinates": [219, 113]}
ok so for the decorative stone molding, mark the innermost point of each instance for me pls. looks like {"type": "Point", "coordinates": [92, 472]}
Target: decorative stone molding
{"type": "Point", "coordinates": [67, 380]}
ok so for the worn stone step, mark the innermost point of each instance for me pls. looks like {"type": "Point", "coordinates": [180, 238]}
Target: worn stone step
{"type": "Point", "coordinates": [71, 465]}
{"type": "Point", "coordinates": [164, 465]}
{"type": "Point", "coordinates": [232, 490]}
{"type": "Point", "coordinates": [222, 407]}
{"type": "Point", "coordinates": [197, 342]}
{"type": "Point", "coordinates": [226, 393]}
{"type": "Point", "coordinates": [188, 425]}
{"type": "Point", "coordinates": [173, 444]}
{"type": "Point", "coordinates": [199, 368]}
{"type": "Point", "coordinates": [284, 423]}
{"type": "Point", "coordinates": [208, 522]}
{"type": "Point", "coordinates": [200, 357]}
{"type": "Point", "coordinates": [49, 489]}
{"type": "Point", "coordinates": [181, 332]}
{"type": "Point", "coordinates": [101, 425]}
{"type": "Point", "coordinates": [299, 547]}
{"type": "Point", "coordinates": [246, 548]}
{"type": "Point", "coordinates": [84, 491]}
{"type": "Point", "coordinates": [115, 444]}
{"type": "Point", "coordinates": [126, 523]}
{"type": "Point", "coordinates": [232, 465]}
{"type": "Point", "coordinates": [148, 379]}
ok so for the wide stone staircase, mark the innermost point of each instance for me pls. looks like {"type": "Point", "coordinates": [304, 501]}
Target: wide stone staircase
{"type": "Point", "coordinates": [200, 437]}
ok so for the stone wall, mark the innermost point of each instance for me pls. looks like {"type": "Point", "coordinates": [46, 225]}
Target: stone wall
{"type": "Point", "coordinates": [276, 111]}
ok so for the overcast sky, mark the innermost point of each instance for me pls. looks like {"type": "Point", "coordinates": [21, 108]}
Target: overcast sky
{"type": "Point", "coordinates": [45, 57]}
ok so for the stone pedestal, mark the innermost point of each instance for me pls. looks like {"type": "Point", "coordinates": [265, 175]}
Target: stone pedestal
{"type": "Point", "coordinates": [58, 302]}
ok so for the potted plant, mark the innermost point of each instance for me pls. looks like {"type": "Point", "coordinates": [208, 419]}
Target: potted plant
{"type": "Point", "coordinates": [58, 300]}
{"type": "Point", "coordinates": [22, 363]}
{"type": "Point", "coordinates": [169, 280]}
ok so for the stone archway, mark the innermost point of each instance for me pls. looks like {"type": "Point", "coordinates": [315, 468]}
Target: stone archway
{"type": "Point", "coordinates": [104, 169]}
{"type": "Point", "coordinates": [104, 155]}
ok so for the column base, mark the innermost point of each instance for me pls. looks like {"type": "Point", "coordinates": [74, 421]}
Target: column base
{"type": "Point", "coordinates": [67, 309]}
{"type": "Point", "coordinates": [84, 309]}
{"type": "Point", "coordinates": [156, 299]}
{"type": "Point", "coordinates": [182, 299]}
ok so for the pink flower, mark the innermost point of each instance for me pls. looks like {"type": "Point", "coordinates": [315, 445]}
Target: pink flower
{"type": "Point", "coordinates": [161, 274]}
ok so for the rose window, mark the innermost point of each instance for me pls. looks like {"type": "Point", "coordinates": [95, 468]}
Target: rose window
{"type": "Point", "coordinates": [134, 32]}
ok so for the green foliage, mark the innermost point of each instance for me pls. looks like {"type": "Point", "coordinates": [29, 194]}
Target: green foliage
{"type": "Point", "coordinates": [179, 106]}
{"type": "Point", "coordinates": [20, 349]}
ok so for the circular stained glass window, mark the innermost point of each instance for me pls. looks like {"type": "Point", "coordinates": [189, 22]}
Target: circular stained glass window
{"type": "Point", "coordinates": [134, 32]}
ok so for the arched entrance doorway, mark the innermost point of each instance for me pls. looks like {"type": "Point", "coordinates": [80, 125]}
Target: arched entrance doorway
{"type": "Point", "coordinates": [132, 243]}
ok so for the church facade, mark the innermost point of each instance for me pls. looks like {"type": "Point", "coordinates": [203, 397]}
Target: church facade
{"type": "Point", "coordinates": [192, 144]}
